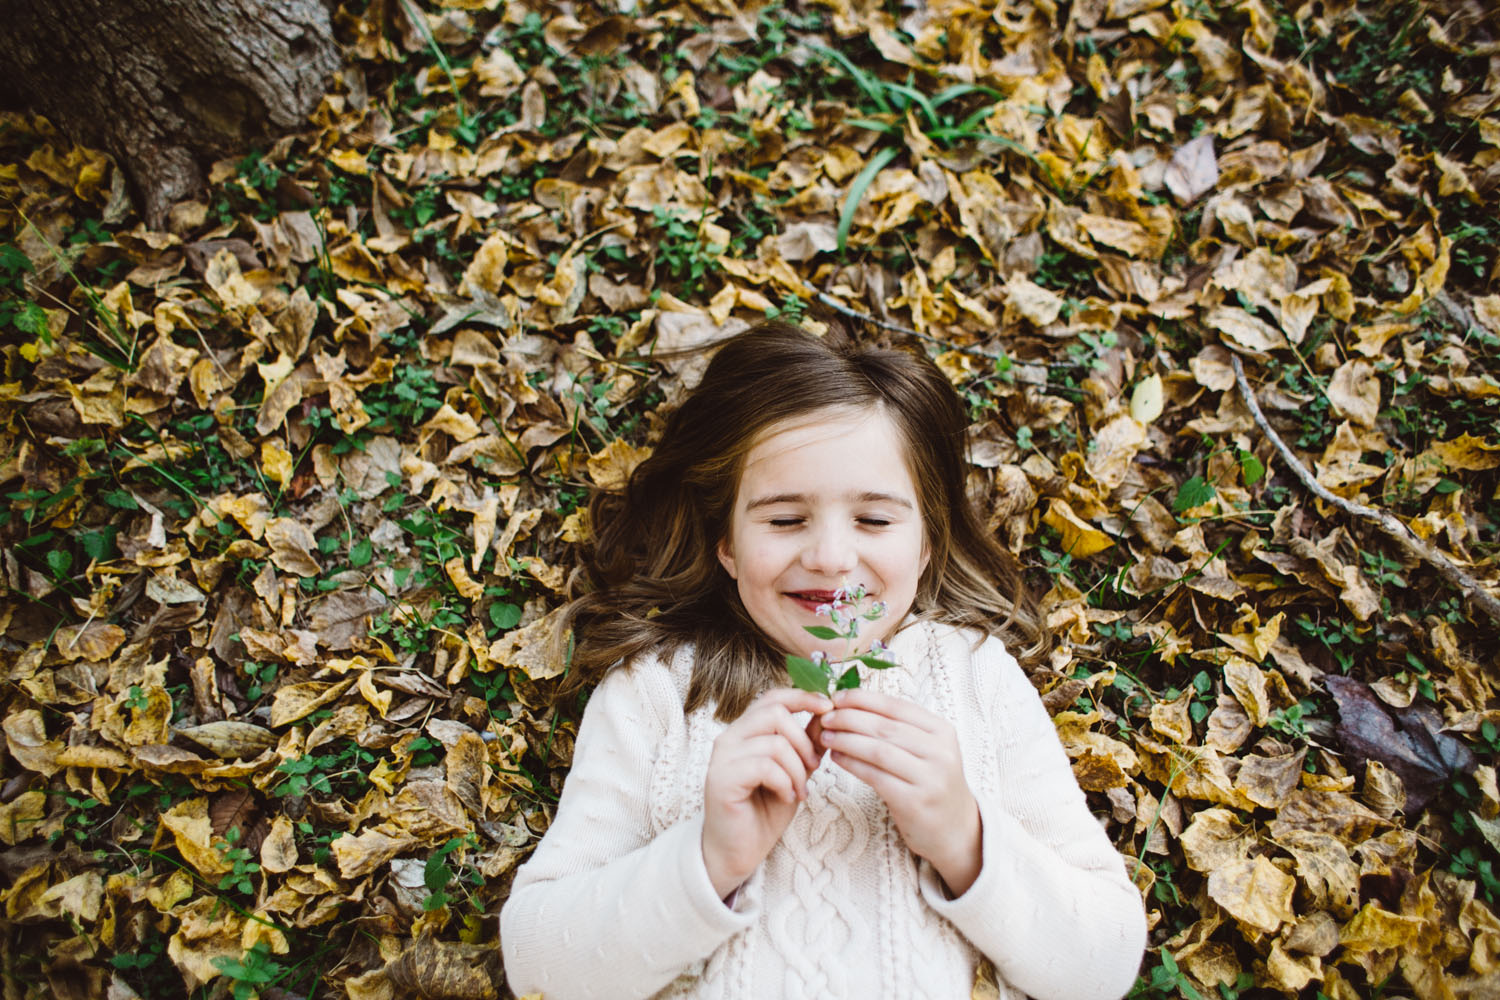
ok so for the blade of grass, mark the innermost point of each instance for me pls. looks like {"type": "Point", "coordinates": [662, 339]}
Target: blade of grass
{"type": "Point", "coordinates": [420, 23]}
{"type": "Point", "coordinates": [857, 191]}
{"type": "Point", "coordinates": [875, 89]}
{"type": "Point", "coordinates": [101, 312]}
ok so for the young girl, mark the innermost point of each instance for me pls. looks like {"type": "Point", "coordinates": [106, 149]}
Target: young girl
{"type": "Point", "coordinates": [724, 835]}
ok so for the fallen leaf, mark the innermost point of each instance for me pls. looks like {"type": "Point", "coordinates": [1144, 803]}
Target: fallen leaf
{"type": "Point", "coordinates": [1409, 741]}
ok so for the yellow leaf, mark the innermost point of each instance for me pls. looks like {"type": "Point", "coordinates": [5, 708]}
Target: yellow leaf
{"type": "Point", "coordinates": [1028, 299]}
{"type": "Point", "coordinates": [1354, 391]}
{"type": "Point", "coordinates": [230, 739]}
{"type": "Point", "coordinates": [575, 527]}
{"type": "Point", "coordinates": [486, 270]}
{"type": "Point", "coordinates": [1256, 893]}
{"type": "Point", "coordinates": [1170, 719]}
{"type": "Point", "coordinates": [278, 852]}
{"type": "Point", "coordinates": [1113, 450]}
{"type": "Point", "coordinates": [79, 898]}
{"type": "Point", "coordinates": [381, 700]}
{"type": "Point", "coordinates": [94, 641]}
{"type": "Point", "coordinates": [459, 426]}
{"type": "Point", "coordinates": [1146, 401]}
{"type": "Point", "coordinates": [174, 889]}
{"type": "Point", "coordinates": [26, 738]}
{"type": "Point", "coordinates": [292, 544]}
{"type": "Point", "coordinates": [1215, 838]}
{"type": "Point", "coordinates": [1079, 538]}
{"type": "Point", "coordinates": [295, 701]}
{"type": "Point", "coordinates": [1245, 330]}
{"type": "Point", "coordinates": [1467, 452]}
{"type": "Point", "coordinates": [360, 855]}
{"type": "Point", "coordinates": [1248, 682]}
{"type": "Point", "coordinates": [350, 161]}
{"type": "Point", "coordinates": [193, 833]}
{"type": "Point", "coordinates": [223, 276]}
{"type": "Point", "coordinates": [206, 930]}
{"type": "Point", "coordinates": [611, 467]}
{"type": "Point", "coordinates": [468, 588]}
{"type": "Point", "coordinates": [19, 818]}
{"type": "Point", "coordinates": [529, 649]}
{"type": "Point", "coordinates": [276, 461]}
{"type": "Point", "coordinates": [1128, 237]}
{"type": "Point", "coordinates": [1377, 929]}
{"type": "Point", "coordinates": [252, 511]}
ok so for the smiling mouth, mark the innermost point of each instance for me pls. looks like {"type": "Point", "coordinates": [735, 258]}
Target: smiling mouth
{"type": "Point", "coordinates": [811, 599]}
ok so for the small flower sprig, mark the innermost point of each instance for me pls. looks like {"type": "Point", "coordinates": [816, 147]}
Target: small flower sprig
{"type": "Point", "coordinates": [816, 673]}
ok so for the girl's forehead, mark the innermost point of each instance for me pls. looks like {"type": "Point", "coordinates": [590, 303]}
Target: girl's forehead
{"type": "Point", "coordinates": [838, 440]}
{"type": "Point", "coordinates": [828, 423]}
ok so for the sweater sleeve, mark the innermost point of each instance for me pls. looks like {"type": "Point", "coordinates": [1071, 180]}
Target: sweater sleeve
{"type": "Point", "coordinates": [603, 908]}
{"type": "Point", "coordinates": [1052, 907]}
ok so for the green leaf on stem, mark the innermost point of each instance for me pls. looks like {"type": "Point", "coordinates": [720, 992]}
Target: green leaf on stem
{"type": "Point", "coordinates": [849, 679]}
{"type": "Point", "coordinates": [822, 632]}
{"type": "Point", "coordinates": [807, 675]}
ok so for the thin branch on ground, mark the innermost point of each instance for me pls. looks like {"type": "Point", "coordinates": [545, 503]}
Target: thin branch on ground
{"type": "Point", "coordinates": [1387, 522]}
{"type": "Point", "coordinates": [837, 306]}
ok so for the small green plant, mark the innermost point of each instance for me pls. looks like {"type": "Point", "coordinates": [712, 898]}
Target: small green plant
{"type": "Point", "coordinates": [242, 867]}
{"type": "Point", "coordinates": [253, 970]}
{"type": "Point", "coordinates": [1242, 982]}
{"type": "Point", "coordinates": [846, 613]}
{"type": "Point", "coordinates": [445, 869]}
{"type": "Point", "coordinates": [16, 313]}
{"type": "Point", "coordinates": [1293, 720]}
{"type": "Point", "coordinates": [1166, 982]}
{"type": "Point", "coordinates": [791, 310]}
{"type": "Point", "coordinates": [1340, 637]}
{"type": "Point", "coordinates": [340, 770]}
{"type": "Point", "coordinates": [683, 253]}
{"type": "Point", "coordinates": [79, 823]}
{"type": "Point", "coordinates": [409, 398]}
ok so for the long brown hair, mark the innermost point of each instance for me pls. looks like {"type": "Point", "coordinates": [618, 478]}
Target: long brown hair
{"type": "Point", "coordinates": [656, 582]}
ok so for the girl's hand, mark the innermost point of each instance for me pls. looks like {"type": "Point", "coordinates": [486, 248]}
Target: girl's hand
{"type": "Point", "coordinates": [756, 776]}
{"type": "Point", "coordinates": [911, 759]}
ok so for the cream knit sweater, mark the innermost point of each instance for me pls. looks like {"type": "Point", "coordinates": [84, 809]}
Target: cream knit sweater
{"type": "Point", "coordinates": [616, 901]}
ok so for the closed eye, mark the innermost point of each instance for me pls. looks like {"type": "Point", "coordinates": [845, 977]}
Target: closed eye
{"type": "Point", "coordinates": [785, 522]}
{"type": "Point", "coordinates": [875, 522]}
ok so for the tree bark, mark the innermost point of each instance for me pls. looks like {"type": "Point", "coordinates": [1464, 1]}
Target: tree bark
{"type": "Point", "coordinates": [167, 85]}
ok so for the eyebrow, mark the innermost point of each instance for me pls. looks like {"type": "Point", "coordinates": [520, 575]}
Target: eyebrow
{"type": "Point", "coordinates": [869, 496]}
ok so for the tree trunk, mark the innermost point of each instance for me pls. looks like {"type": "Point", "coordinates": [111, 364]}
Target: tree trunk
{"type": "Point", "coordinates": [167, 85]}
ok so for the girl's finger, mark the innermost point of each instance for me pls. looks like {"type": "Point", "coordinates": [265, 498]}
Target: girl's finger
{"type": "Point", "coordinates": [773, 720]}
{"type": "Point", "coordinates": [882, 782]}
{"type": "Point", "coordinates": [777, 750]}
{"type": "Point", "coordinates": [880, 754]}
{"type": "Point", "coordinates": [891, 707]}
{"type": "Point", "coordinates": [768, 774]}
{"type": "Point", "coordinates": [916, 741]}
{"type": "Point", "coordinates": [791, 699]}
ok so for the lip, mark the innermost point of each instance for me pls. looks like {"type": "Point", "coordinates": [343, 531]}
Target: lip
{"type": "Point", "coordinates": [811, 600]}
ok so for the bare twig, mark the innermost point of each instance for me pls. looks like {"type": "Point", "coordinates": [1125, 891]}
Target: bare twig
{"type": "Point", "coordinates": [1467, 585]}
{"type": "Point", "coordinates": [837, 306]}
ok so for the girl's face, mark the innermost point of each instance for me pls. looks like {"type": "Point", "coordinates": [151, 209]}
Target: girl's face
{"type": "Point", "coordinates": [825, 502]}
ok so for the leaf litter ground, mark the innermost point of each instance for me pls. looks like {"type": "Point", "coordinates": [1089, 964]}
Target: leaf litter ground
{"type": "Point", "coordinates": [294, 485]}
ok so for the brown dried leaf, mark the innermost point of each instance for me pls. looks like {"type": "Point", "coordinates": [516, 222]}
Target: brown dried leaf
{"type": "Point", "coordinates": [1409, 741]}
{"type": "Point", "coordinates": [1256, 893]}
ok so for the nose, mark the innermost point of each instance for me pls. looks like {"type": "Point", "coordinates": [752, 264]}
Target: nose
{"type": "Point", "coordinates": [831, 549]}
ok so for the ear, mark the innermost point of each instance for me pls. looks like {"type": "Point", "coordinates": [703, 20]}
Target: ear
{"type": "Point", "coordinates": [726, 557]}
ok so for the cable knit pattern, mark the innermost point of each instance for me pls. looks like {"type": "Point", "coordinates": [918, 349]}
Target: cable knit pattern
{"type": "Point", "coordinates": [616, 901]}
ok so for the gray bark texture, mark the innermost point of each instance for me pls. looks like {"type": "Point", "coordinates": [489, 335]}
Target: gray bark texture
{"type": "Point", "coordinates": [165, 86]}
